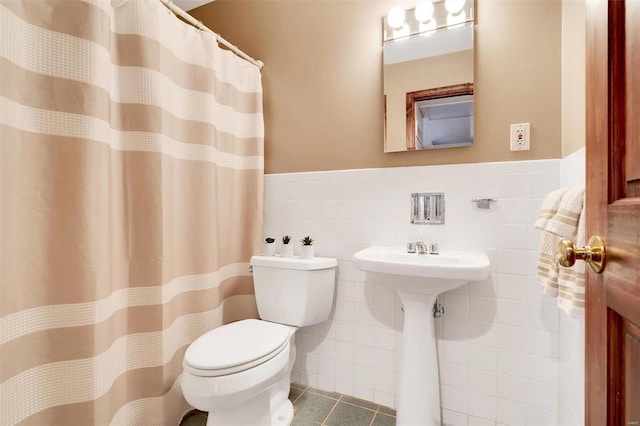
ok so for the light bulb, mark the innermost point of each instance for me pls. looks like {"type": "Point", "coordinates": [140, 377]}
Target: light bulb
{"type": "Point", "coordinates": [424, 11]}
{"type": "Point", "coordinates": [395, 18]}
{"type": "Point", "coordinates": [426, 28]}
{"type": "Point", "coordinates": [454, 20]}
{"type": "Point", "coordinates": [454, 6]}
{"type": "Point", "coordinates": [401, 33]}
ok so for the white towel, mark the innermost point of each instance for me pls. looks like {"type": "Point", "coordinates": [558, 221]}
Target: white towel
{"type": "Point", "coordinates": [547, 272]}
{"type": "Point", "coordinates": [565, 222]}
{"type": "Point", "coordinates": [550, 207]}
{"type": "Point", "coordinates": [571, 280]}
{"type": "Point", "coordinates": [562, 282]}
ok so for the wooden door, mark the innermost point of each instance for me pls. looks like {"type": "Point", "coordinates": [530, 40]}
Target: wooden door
{"type": "Point", "coordinates": [613, 212]}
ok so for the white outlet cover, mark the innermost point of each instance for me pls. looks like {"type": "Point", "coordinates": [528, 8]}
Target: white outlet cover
{"type": "Point", "coordinates": [519, 137]}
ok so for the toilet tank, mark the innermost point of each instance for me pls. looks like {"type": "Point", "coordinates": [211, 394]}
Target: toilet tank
{"type": "Point", "coordinates": [294, 291]}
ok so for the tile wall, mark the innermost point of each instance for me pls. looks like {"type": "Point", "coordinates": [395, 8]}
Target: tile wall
{"type": "Point", "coordinates": [499, 339]}
{"type": "Point", "coordinates": [571, 349]}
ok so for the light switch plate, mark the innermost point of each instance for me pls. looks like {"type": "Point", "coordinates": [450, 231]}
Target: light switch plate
{"type": "Point", "coordinates": [520, 137]}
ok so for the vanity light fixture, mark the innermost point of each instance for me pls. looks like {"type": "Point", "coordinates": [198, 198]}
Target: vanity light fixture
{"type": "Point", "coordinates": [426, 17]}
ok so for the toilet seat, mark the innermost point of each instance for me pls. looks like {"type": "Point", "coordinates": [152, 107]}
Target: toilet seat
{"type": "Point", "coordinates": [236, 347]}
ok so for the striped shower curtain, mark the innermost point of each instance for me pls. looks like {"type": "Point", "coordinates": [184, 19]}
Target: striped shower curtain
{"type": "Point", "coordinates": [131, 173]}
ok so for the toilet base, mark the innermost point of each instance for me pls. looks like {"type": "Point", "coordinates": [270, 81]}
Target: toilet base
{"type": "Point", "coordinates": [256, 411]}
{"type": "Point", "coordinates": [284, 416]}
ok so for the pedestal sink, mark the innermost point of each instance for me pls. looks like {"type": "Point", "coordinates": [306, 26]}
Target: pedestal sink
{"type": "Point", "coordinates": [419, 279]}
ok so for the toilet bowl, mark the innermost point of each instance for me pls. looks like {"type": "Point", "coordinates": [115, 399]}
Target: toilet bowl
{"type": "Point", "coordinates": [240, 373]}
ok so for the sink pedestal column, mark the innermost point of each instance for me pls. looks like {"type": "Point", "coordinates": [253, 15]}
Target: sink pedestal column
{"type": "Point", "coordinates": [419, 390]}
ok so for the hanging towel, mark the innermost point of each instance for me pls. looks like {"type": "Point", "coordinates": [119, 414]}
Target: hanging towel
{"type": "Point", "coordinates": [567, 222]}
{"type": "Point", "coordinates": [547, 272]}
{"type": "Point", "coordinates": [550, 207]}
{"type": "Point", "coordinates": [571, 280]}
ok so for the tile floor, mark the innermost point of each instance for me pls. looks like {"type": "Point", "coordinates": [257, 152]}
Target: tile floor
{"type": "Point", "coordinates": [316, 407]}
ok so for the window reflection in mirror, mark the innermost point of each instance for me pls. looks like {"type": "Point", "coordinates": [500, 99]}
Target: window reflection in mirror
{"type": "Point", "coordinates": [423, 61]}
{"type": "Point", "coordinates": [440, 117]}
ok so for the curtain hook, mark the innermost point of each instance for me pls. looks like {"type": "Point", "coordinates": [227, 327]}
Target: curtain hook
{"type": "Point", "coordinates": [200, 26]}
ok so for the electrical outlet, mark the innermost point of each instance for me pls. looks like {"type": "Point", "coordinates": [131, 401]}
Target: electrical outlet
{"type": "Point", "coordinates": [520, 137]}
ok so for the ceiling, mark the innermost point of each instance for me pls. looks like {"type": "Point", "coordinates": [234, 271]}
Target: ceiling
{"type": "Point", "coordinates": [190, 4]}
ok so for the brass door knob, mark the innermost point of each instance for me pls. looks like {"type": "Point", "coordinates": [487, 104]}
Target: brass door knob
{"type": "Point", "coordinates": [593, 253]}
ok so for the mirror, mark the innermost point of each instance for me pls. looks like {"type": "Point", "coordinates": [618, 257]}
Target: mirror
{"type": "Point", "coordinates": [428, 76]}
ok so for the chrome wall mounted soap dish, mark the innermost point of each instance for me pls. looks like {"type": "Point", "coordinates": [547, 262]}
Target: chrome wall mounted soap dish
{"type": "Point", "coordinates": [484, 203]}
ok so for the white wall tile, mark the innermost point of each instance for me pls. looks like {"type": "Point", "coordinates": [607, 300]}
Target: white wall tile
{"type": "Point", "coordinates": [511, 413]}
{"type": "Point", "coordinates": [482, 406]}
{"type": "Point", "coordinates": [498, 340]}
{"type": "Point", "coordinates": [454, 399]}
{"type": "Point", "coordinates": [344, 351]}
{"type": "Point", "coordinates": [512, 312]}
{"type": "Point", "coordinates": [542, 395]}
{"type": "Point", "coordinates": [383, 381]}
{"type": "Point", "coordinates": [452, 418]}
{"type": "Point", "coordinates": [482, 357]}
{"type": "Point", "coordinates": [364, 356]}
{"type": "Point", "coordinates": [476, 421]}
{"type": "Point", "coordinates": [513, 185]}
{"type": "Point", "coordinates": [512, 287]}
{"type": "Point", "coordinates": [512, 363]}
{"type": "Point", "coordinates": [539, 416]}
{"type": "Point", "coordinates": [483, 382]}
{"type": "Point", "coordinates": [454, 375]}
{"type": "Point", "coordinates": [453, 351]}
{"type": "Point", "coordinates": [512, 388]}
{"type": "Point", "coordinates": [384, 398]}
{"type": "Point", "coordinates": [363, 377]}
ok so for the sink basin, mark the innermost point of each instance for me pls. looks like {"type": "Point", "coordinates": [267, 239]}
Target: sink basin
{"type": "Point", "coordinates": [418, 280]}
{"type": "Point", "coordinates": [423, 273]}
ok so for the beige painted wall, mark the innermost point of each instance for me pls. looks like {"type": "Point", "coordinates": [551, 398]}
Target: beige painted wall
{"type": "Point", "coordinates": [427, 73]}
{"type": "Point", "coordinates": [323, 80]}
{"type": "Point", "coordinates": [573, 75]}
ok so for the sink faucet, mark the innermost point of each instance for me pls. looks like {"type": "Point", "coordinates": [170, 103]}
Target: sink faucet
{"type": "Point", "coordinates": [421, 247]}
{"type": "Point", "coordinates": [434, 249]}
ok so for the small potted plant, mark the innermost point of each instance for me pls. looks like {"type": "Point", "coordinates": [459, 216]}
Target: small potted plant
{"type": "Point", "coordinates": [306, 251]}
{"type": "Point", "coordinates": [287, 249]}
{"type": "Point", "coordinates": [269, 247]}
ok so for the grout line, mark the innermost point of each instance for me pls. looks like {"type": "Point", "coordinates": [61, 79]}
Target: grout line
{"type": "Point", "coordinates": [332, 410]}
{"type": "Point", "coordinates": [311, 390]}
{"type": "Point", "coordinates": [307, 419]}
{"type": "Point", "coordinates": [339, 399]}
{"type": "Point", "coordinates": [359, 406]}
{"type": "Point", "coordinates": [373, 418]}
{"type": "Point", "coordinates": [297, 398]}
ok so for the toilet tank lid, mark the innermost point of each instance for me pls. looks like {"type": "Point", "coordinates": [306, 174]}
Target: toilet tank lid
{"type": "Point", "coordinates": [294, 262]}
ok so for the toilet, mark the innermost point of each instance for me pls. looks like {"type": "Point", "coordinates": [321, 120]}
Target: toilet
{"type": "Point", "coordinates": [240, 372]}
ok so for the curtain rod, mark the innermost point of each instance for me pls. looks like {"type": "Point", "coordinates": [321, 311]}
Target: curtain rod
{"type": "Point", "coordinates": [199, 25]}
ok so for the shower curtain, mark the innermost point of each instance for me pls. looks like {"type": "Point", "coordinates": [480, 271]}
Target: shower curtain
{"type": "Point", "coordinates": [131, 173]}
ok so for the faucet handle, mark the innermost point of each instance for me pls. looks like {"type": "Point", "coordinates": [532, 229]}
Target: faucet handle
{"type": "Point", "coordinates": [411, 247]}
{"type": "Point", "coordinates": [434, 249]}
